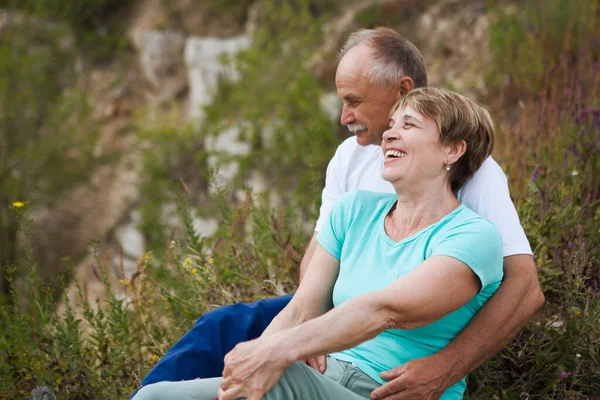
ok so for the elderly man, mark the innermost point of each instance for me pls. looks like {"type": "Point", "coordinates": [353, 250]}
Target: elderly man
{"type": "Point", "coordinates": [376, 68]}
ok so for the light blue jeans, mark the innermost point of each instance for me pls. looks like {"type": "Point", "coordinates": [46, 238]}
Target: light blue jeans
{"type": "Point", "coordinates": [341, 381]}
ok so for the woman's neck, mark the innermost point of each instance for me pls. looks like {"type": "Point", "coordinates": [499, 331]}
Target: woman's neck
{"type": "Point", "coordinates": [417, 208]}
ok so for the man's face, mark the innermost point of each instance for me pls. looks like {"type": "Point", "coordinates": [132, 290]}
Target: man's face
{"type": "Point", "coordinates": [366, 108]}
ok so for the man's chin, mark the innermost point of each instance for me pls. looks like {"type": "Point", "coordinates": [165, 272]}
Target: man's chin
{"type": "Point", "coordinates": [364, 139]}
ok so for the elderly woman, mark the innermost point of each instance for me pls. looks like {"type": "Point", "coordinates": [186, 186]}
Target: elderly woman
{"type": "Point", "coordinates": [394, 278]}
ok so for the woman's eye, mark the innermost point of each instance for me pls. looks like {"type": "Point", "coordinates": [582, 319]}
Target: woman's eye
{"type": "Point", "coordinates": [408, 125]}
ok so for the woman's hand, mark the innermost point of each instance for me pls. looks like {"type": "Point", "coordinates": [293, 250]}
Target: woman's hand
{"type": "Point", "coordinates": [251, 370]}
{"type": "Point", "coordinates": [318, 363]}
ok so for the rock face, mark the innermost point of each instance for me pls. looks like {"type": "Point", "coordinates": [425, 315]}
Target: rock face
{"type": "Point", "coordinates": [161, 62]}
{"type": "Point", "coordinates": [203, 59]}
{"type": "Point", "coordinates": [88, 213]}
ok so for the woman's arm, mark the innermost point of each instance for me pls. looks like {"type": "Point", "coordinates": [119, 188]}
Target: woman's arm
{"type": "Point", "coordinates": [439, 286]}
{"type": "Point", "coordinates": [313, 297]}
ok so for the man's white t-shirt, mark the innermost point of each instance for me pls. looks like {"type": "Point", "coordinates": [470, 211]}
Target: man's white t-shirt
{"type": "Point", "coordinates": [359, 167]}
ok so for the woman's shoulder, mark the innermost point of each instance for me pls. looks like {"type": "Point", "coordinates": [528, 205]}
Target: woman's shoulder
{"type": "Point", "coordinates": [367, 197]}
{"type": "Point", "coordinates": [359, 199]}
{"type": "Point", "coordinates": [364, 203]}
{"type": "Point", "coordinates": [467, 222]}
{"type": "Point", "coordinates": [473, 240]}
{"type": "Point", "coordinates": [470, 219]}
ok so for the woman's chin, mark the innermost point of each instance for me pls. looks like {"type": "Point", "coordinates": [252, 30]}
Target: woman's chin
{"type": "Point", "coordinates": [389, 176]}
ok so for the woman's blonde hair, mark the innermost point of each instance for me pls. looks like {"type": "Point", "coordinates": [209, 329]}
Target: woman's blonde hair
{"type": "Point", "coordinates": [457, 118]}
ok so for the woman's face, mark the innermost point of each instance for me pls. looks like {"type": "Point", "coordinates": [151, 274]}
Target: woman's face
{"type": "Point", "coordinates": [412, 151]}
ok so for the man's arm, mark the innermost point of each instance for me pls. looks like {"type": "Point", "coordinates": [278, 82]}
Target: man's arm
{"type": "Point", "coordinates": [501, 318]}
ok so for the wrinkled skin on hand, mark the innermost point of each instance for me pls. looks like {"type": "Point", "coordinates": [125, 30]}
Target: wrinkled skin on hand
{"type": "Point", "coordinates": [419, 379]}
{"type": "Point", "coordinates": [251, 370]}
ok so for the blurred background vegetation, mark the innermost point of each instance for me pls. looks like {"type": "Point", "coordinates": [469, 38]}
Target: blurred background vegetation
{"type": "Point", "coordinates": [137, 194]}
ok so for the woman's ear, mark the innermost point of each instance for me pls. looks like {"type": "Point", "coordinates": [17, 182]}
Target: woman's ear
{"type": "Point", "coordinates": [455, 151]}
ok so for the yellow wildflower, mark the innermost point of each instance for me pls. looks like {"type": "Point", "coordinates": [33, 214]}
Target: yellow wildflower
{"type": "Point", "coordinates": [58, 380]}
{"type": "Point", "coordinates": [194, 271]}
{"type": "Point", "coordinates": [211, 260]}
{"type": "Point", "coordinates": [595, 218]}
{"type": "Point", "coordinates": [124, 282]}
{"type": "Point", "coordinates": [187, 263]}
{"type": "Point", "coordinates": [577, 313]}
{"type": "Point", "coordinates": [155, 358]}
{"type": "Point", "coordinates": [18, 204]}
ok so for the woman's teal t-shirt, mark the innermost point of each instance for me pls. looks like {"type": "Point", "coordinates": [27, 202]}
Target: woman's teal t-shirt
{"type": "Point", "coordinates": [370, 260]}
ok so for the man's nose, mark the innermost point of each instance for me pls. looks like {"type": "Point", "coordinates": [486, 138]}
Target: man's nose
{"type": "Point", "coordinates": [347, 116]}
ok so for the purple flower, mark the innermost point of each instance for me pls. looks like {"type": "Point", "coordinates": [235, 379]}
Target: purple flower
{"type": "Point", "coordinates": [567, 92]}
{"type": "Point", "coordinates": [535, 175]}
{"type": "Point", "coordinates": [563, 375]}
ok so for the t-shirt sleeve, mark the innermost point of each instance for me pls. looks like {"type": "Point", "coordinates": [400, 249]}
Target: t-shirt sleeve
{"type": "Point", "coordinates": [333, 232]}
{"type": "Point", "coordinates": [334, 186]}
{"type": "Point", "coordinates": [487, 194]}
{"type": "Point", "coordinates": [478, 244]}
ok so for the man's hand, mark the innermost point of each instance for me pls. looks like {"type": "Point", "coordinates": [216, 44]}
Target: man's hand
{"type": "Point", "coordinates": [422, 378]}
{"type": "Point", "coordinates": [251, 370]}
{"type": "Point", "coordinates": [318, 363]}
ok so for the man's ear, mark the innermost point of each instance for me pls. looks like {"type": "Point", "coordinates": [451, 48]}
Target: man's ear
{"type": "Point", "coordinates": [455, 151]}
{"type": "Point", "coordinates": [406, 85]}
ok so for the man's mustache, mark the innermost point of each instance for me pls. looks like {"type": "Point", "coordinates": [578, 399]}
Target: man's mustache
{"type": "Point", "coordinates": [356, 127]}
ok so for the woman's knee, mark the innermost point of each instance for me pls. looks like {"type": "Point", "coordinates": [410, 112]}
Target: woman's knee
{"type": "Point", "coordinates": [154, 391]}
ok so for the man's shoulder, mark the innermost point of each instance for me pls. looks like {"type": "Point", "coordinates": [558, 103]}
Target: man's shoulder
{"type": "Point", "coordinates": [490, 168]}
{"type": "Point", "coordinates": [486, 178]}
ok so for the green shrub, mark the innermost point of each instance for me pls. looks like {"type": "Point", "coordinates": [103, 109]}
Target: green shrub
{"type": "Point", "coordinates": [254, 254]}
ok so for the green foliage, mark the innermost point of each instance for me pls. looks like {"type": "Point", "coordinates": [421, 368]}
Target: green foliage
{"type": "Point", "coordinates": [555, 139]}
{"type": "Point", "coordinates": [531, 40]}
{"type": "Point", "coordinates": [255, 254]}
{"type": "Point", "coordinates": [42, 148]}
{"type": "Point", "coordinates": [96, 24]}
{"type": "Point", "coordinates": [170, 155]}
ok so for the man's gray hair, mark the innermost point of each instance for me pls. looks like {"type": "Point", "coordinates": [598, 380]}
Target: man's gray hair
{"type": "Point", "coordinates": [393, 57]}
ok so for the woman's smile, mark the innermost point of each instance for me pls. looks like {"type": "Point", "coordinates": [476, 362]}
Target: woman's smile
{"type": "Point", "coordinates": [393, 154]}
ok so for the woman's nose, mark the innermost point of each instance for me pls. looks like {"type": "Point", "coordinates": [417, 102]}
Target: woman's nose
{"type": "Point", "coordinates": [390, 135]}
